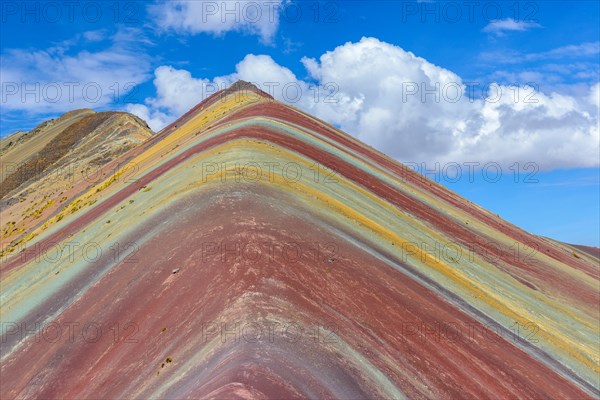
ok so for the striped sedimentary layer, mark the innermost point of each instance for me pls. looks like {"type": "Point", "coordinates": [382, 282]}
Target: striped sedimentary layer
{"type": "Point", "coordinates": [250, 250]}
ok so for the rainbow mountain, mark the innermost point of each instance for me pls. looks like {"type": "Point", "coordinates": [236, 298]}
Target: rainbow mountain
{"type": "Point", "coordinates": [252, 251]}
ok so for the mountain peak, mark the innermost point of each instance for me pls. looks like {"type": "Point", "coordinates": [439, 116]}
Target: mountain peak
{"type": "Point", "coordinates": [244, 86]}
{"type": "Point", "coordinates": [241, 91]}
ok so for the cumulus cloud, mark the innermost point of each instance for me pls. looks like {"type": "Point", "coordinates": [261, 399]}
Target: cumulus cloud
{"type": "Point", "coordinates": [193, 17]}
{"type": "Point", "coordinates": [500, 26]}
{"type": "Point", "coordinates": [410, 108]}
{"type": "Point", "coordinates": [177, 91]}
{"type": "Point", "coordinates": [417, 111]}
{"type": "Point", "coordinates": [58, 79]}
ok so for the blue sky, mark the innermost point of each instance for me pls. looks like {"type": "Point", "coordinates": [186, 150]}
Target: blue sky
{"type": "Point", "coordinates": [493, 85]}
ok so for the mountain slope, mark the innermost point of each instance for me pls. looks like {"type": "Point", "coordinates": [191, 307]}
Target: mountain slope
{"type": "Point", "coordinates": [16, 148]}
{"type": "Point", "coordinates": [250, 250]}
{"type": "Point", "coordinates": [43, 170]}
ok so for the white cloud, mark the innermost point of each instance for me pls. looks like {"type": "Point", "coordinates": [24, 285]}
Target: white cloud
{"type": "Point", "coordinates": [519, 125]}
{"type": "Point", "coordinates": [94, 36]}
{"type": "Point", "coordinates": [56, 79]}
{"type": "Point", "coordinates": [578, 50]}
{"type": "Point", "coordinates": [153, 117]}
{"type": "Point", "coordinates": [570, 52]}
{"type": "Point", "coordinates": [192, 17]}
{"type": "Point", "coordinates": [568, 69]}
{"type": "Point", "coordinates": [411, 109]}
{"type": "Point", "coordinates": [177, 91]}
{"type": "Point", "coordinates": [500, 26]}
{"type": "Point", "coordinates": [595, 95]}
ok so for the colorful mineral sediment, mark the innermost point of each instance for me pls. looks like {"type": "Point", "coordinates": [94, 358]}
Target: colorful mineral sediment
{"type": "Point", "coordinates": [250, 250]}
